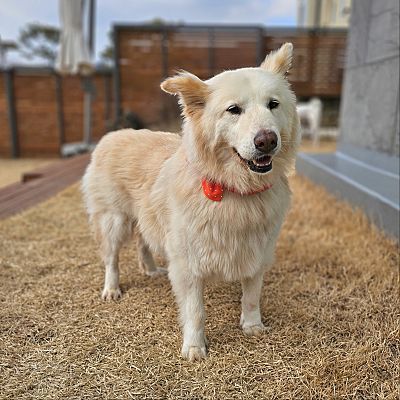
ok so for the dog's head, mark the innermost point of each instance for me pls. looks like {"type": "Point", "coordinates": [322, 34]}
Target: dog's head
{"type": "Point", "coordinates": [240, 123]}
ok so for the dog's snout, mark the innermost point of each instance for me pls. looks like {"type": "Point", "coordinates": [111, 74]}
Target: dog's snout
{"type": "Point", "coordinates": [266, 140]}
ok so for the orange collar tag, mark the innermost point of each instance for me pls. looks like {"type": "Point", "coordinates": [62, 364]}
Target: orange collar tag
{"type": "Point", "coordinates": [213, 191]}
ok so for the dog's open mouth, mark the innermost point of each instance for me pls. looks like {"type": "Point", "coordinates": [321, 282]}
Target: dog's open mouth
{"type": "Point", "coordinates": [261, 164]}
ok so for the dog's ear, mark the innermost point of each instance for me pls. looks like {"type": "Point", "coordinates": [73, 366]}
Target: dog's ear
{"type": "Point", "coordinates": [279, 61]}
{"type": "Point", "coordinates": [192, 91]}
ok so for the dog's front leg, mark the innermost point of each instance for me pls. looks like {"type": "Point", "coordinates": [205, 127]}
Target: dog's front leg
{"type": "Point", "coordinates": [250, 319]}
{"type": "Point", "coordinates": [188, 291]}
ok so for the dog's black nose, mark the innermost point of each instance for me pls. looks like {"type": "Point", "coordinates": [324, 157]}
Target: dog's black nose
{"type": "Point", "coordinates": [266, 140]}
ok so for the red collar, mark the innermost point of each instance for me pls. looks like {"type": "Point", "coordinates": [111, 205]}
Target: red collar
{"type": "Point", "coordinates": [215, 191]}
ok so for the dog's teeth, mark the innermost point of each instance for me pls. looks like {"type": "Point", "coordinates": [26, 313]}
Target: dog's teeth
{"type": "Point", "coordinates": [262, 164]}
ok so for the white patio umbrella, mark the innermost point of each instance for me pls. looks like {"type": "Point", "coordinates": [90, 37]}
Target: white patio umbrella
{"type": "Point", "coordinates": [74, 57]}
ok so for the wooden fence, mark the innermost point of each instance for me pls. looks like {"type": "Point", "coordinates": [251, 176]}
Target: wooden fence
{"type": "Point", "coordinates": [146, 54]}
{"type": "Point", "coordinates": [40, 110]}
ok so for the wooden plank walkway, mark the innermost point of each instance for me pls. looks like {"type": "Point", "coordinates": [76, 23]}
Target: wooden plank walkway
{"type": "Point", "coordinates": [41, 184]}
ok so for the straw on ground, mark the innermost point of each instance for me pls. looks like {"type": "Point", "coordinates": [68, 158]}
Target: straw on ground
{"type": "Point", "coordinates": [331, 303]}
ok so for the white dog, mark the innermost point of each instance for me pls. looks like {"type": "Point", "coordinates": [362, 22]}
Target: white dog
{"type": "Point", "coordinates": [211, 201]}
{"type": "Point", "coordinates": [310, 116]}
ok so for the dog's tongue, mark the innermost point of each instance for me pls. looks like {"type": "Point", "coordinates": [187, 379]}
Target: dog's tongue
{"type": "Point", "coordinates": [263, 161]}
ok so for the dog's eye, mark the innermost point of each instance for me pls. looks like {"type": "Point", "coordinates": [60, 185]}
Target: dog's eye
{"type": "Point", "coordinates": [234, 109]}
{"type": "Point", "coordinates": [273, 104]}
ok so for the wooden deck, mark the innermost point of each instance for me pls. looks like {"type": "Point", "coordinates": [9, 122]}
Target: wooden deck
{"type": "Point", "coordinates": [41, 184]}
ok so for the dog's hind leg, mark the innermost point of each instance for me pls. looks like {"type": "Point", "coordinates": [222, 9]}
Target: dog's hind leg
{"type": "Point", "coordinates": [114, 229]}
{"type": "Point", "coordinates": [145, 258]}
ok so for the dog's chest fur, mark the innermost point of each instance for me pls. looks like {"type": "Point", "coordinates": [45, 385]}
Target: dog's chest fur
{"type": "Point", "coordinates": [228, 240]}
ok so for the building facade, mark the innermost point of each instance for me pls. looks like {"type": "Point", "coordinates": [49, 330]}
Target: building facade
{"type": "Point", "coordinates": [323, 13]}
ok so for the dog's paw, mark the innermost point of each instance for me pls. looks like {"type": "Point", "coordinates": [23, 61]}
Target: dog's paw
{"type": "Point", "coordinates": [254, 330]}
{"type": "Point", "coordinates": [111, 294]}
{"type": "Point", "coordinates": [157, 272]}
{"type": "Point", "coordinates": [194, 353]}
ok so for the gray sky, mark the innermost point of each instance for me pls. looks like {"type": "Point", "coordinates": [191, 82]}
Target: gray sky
{"type": "Point", "coordinates": [14, 14]}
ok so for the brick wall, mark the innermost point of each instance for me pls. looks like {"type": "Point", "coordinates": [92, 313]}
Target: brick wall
{"type": "Point", "coordinates": [37, 110]}
{"type": "Point", "coordinates": [72, 99]}
{"type": "Point", "coordinates": [147, 54]}
{"type": "Point", "coordinates": [36, 114]}
{"type": "Point", "coordinates": [318, 60]}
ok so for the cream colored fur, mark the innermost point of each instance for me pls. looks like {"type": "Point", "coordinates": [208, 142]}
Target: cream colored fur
{"type": "Point", "coordinates": [151, 181]}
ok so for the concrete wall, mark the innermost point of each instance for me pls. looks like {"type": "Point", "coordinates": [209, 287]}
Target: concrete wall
{"type": "Point", "coordinates": [370, 102]}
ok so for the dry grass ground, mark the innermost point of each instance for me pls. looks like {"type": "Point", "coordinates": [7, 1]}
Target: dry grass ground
{"type": "Point", "coordinates": [12, 169]}
{"type": "Point", "coordinates": [331, 303]}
